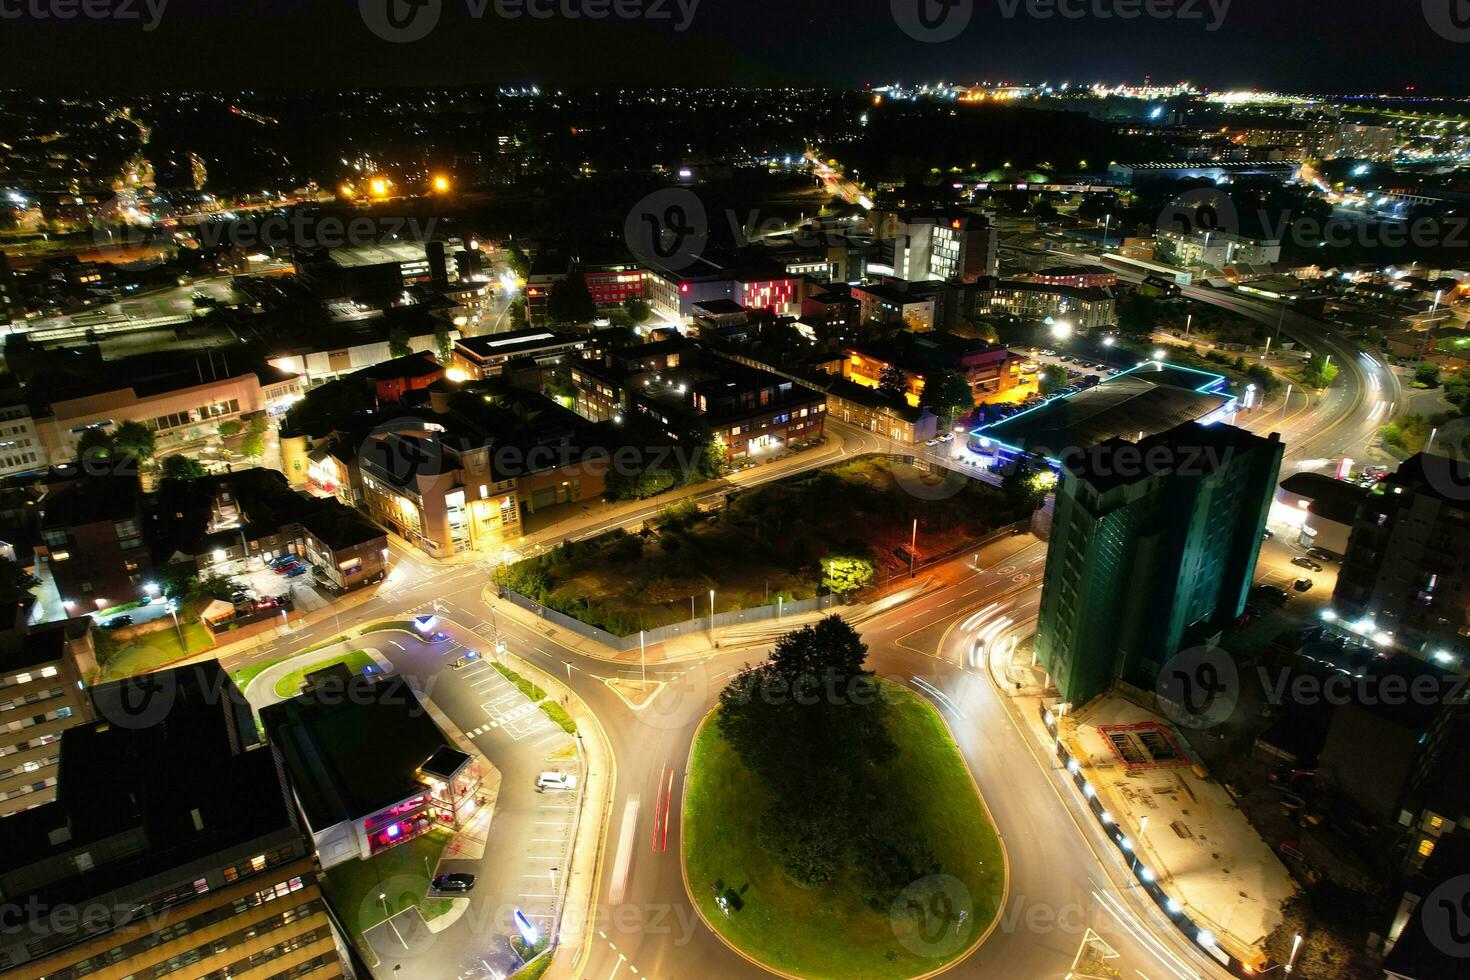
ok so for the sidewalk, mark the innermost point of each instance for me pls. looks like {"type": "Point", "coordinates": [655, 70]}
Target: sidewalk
{"type": "Point", "coordinates": [697, 643]}
{"type": "Point", "coordinates": [1188, 830]}
{"type": "Point", "coordinates": [604, 515]}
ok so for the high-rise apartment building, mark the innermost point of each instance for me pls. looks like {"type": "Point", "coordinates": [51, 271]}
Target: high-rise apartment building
{"type": "Point", "coordinates": [42, 670]}
{"type": "Point", "coordinates": [1405, 563]}
{"type": "Point", "coordinates": [1152, 543]}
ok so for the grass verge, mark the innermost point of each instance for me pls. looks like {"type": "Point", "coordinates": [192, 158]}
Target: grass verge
{"type": "Point", "coordinates": [393, 624]}
{"type": "Point", "coordinates": [554, 711]}
{"type": "Point", "coordinates": [150, 651]}
{"type": "Point", "coordinates": [290, 685]}
{"type": "Point", "coordinates": [398, 873]}
{"type": "Point", "coordinates": [833, 931]}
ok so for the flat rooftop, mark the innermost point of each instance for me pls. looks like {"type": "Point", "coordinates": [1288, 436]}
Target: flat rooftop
{"type": "Point", "coordinates": [1148, 399]}
{"type": "Point", "coordinates": [362, 256]}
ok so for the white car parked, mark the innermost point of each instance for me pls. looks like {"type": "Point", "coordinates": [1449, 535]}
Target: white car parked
{"type": "Point", "coordinates": [555, 780]}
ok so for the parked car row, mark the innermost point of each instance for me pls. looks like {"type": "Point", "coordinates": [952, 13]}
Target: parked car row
{"type": "Point", "coordinates": [288, 565]}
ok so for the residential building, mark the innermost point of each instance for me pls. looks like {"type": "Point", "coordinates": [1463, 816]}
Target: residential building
{"type": "Point", "coordinates": [1086, 309]}
{"type": "Point", "coordinates": [751, 410]}
{"type": "Point", "coordinates": [951, 245]}
{"type": "Point", "coordinates": [10, 308]}
{"type": "Point", "coordinates": [42, 673]}
{"type": "Point", "coordinates": [254, 514]}
{"type": "Point", "coordinates": [613, 284]}
{"type": "Point", "coordinates": [393, 380]}
{"type": "Point", "coordinates": [1214, 249]}
{"type": "Point", "coordinates": [1077, 276]}
{"type": "Point", "coordinates": [885, 304]}
{"type": "Point", "coordinates": [1404, 568]}
{"type": "Point", "coordinates": [1144, 557]}
{"type": "Point", "coordinates": [92, 538]}
{"type": "Point", "coordinates": [990, 369]}
{"type": "Point", "coordinates": [1360, 142]}
{"type": "Point", "coordinates": [175, 832]}
{"type": "Point", "coordinates": [369, 766]}
{"type": "Point", "coordinates": [831, 314]}
{"type": "Point", "coordinates": [868, 408]}
{"type": "Point", "coordinates": [1415, 949]}
{"type": "Point", "coordinates": [602, 384]}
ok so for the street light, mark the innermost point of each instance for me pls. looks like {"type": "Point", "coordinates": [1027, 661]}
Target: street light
{"type": "Point", "coordinates": [1296, 944]}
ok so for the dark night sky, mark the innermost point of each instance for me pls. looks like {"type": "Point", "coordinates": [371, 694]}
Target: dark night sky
{"type": "Point", "coordinates": [1302, 45]}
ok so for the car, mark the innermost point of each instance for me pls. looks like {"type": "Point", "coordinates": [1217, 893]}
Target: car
{"type": "Point", "coordinates": [1320, 555]}
{"type": "Point", "coordinates": [931, 442]}
{"type": "Point", "coordinates": [295, 570]}
{"type": "Point", "coordinates": [1273, 593]}
{"type": "Point", "coordinates": [472, 657]}
{"type": "Point", "coordinates": [555, 779]}
{"type": "Point", "coordinates": [118, 622]}
{"type": "Point", "coordinates": [280, 560]}
{"type": "Point", "coordinates": [1267, 534]}
{"type": "Point", "coordinates": [1301, 561]}
{"type": "Point", "coordinates": [453, 883]}
{"type": "Point", "coordinates": [947, 437]}
{"type": "Point", "coordinates": [1302, 585]}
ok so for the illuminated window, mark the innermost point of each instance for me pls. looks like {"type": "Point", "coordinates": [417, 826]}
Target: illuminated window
{"type": "Point", "coordinates": [1426, 847]}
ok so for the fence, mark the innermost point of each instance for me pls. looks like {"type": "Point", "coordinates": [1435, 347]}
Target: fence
{"type": "Point", "coordinates": [735, 617]}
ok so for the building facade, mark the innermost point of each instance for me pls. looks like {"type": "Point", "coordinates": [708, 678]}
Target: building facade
{"type": "Point", "coordinates": [1144, 554]}
{"type": "Point", "coordinates": [1405, 564]}
{"type": "Point", "coordinates": [42, 670]}
{"type": "Point", "coordinates": [178, 837]}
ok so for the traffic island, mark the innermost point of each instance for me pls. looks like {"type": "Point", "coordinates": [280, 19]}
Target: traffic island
{"type": "Point", "coordinates": [845, 927]}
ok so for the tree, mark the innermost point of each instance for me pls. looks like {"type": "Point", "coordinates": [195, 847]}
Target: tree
{"type": "Point", "coordinates": [1053, 377]}
{"type": "Point", "coordinates": [713, 456]}
{"type": "Point", "coordinates": [229, 428]}
{"type": "Point", "coordinates": [846, 574]}
{"type": "Point", "coordinates": [518, 262]}
{"type": "Point", "coordinates": [253, 445]}
{"type": "Point", "coordinates": [1319, 372]}
{"type": "Point", "coordinates": [398, 343]}
{"type": "Point", "coordinates": [180, 467]}
{"type": "Point", "coordinates": [135, 439]}
{"type": "Point", "coordinates": [95, 447]}
{"type": "Point", "coordinates": [638, 310]}
{"type": "Point", "coordinates": [1427, 375]}
{"type": "Point", "coordinates": [947, 394]}
{"type": "Point", "coordinates": [892, 381]}
{"type": "Point", "coordinates": [517, 313]}
{"type": "Point", "coordinates": [1138, 315]}
{"type": "Point", "coordinates": [443, 343]}
{"type": "Point", "coordinates": [571, 301]}
{"type": "Point", "coordinates": [810, 725]}
{"type": "Point", "coordinates": [1025, 484]}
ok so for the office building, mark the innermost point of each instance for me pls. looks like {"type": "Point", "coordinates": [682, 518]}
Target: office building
{"type": "Point", "coordinates": [465, 471]}
{"type": "Point", "coordinates": [175, 839]}
{"type": "Point", "coordinates": [20, 444]}
{"type": "Point", "coordinates": [988, 368]}
{"type": "Point", "coordinates": [1153, 546]}
{"type": "Point", "coordinates": [476, 358]}
{"type": "Point", "coordinates": [371, 272]}
{"type": "Point", "coordinates": [42, 670]}
{"type": "Point", "coordinates": [1133, 174]}
{"type": "Point", "coordinates": [1404, 569]}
